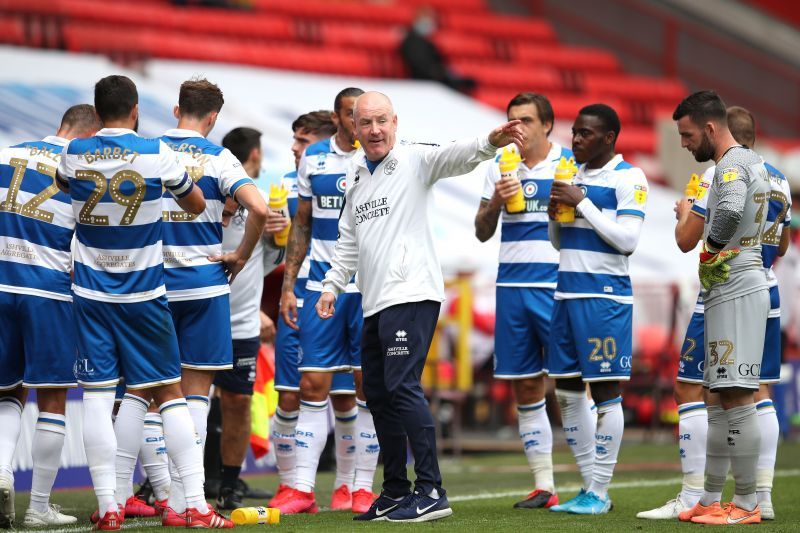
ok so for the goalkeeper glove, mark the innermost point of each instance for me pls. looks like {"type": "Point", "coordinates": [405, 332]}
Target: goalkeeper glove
{"type": "Point", "coordinates": [714, 268]}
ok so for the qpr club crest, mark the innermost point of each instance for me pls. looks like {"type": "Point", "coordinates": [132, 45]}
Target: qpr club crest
{"type": "Point", "coordinates": [390, 167]}
{"type": "Point", "coordinates": [341, 183]}
{"type": "Point", "coordinates": [529, 189]}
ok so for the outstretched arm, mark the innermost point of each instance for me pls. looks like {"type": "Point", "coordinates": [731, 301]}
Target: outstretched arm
{"type": "Point", "coordinates": [460, 157]}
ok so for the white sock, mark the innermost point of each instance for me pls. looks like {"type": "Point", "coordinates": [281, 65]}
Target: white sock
{"type": "Point", "coordinates": [579, 427]}
{"type": "Point", "coordinates": [100, 444]}
{"type": "Point", "coordinates": [185, 451]}
{"type": "Point", "coordinates": [48, 441]}
{"type": "Point", "coordinates": [198, 408]}
{"type": "Point", "coordinates": [128, 429]}
{"type": "Point", "coordinates": [608, 436]}
{"type": "Point", "coordinates": [537, 441]}
{"type": "Point", "coordinates": [11, 422]}
{"type": "Point", "coordinates": [770, 432]}
{"type": "Point", "coordinates": [367, 449]}
{"type": "Point", "coordinates": [176, 499]}
{"type": "Point", "coordinates": [344, 427]}
{"type": "Point", "coordinates": [310, 436]}
{"type": "Point", "coordinates": [154, 455]}
{"type": "Point", "coordinates": [692, 431]}
{"type": "Point", "coordinates": [283, 426]}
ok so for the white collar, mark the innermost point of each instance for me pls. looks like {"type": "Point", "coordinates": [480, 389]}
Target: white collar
{"type": "Point", "coordinates": [611, 165]}
{"type": "Point", "coordinates": [115, 132]}
{"type": "Point", "coordinates": [55, 139]}
{"type": "Point", "coordinates": [182, 133]}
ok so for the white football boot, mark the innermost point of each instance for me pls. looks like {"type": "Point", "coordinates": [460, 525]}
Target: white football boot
{"type": "Point", "coordinates": [52, 517]}
{"type": "Point", "coordinates": [7, 513]}
{"type": "Point", "coordinates": [668, 511]}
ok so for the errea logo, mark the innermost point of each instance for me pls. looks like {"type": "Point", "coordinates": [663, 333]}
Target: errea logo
{"type": "Point", "coordinates": [401, 335]}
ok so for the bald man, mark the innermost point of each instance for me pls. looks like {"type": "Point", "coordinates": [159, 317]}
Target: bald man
{"type": "Point", "coordinates": [385, 235]}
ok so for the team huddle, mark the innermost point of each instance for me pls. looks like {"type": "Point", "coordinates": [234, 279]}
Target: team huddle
{"type": "Point", "coordinates": [129, 266]}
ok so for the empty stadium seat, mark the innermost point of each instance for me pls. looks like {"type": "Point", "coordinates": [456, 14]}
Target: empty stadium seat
{"type": "Point", "coordinates": [574, 58]}
{"type": "Point", "coordinates": [635, 87]}
{"type": "Point", "coordinates": [565, 106]}
{"type": "Point", "coordinates": [348, 12]}
{"type": "Point", "coordinates": [12, 31]}
{"type": "Point", "coordinates": [337, 34]}
{"type": "Point", "coordinates": [499, 26]}
{"type": "Point", "coordinates": [511, 75]}
{"type": "Point", "coordinates": [455, 45]}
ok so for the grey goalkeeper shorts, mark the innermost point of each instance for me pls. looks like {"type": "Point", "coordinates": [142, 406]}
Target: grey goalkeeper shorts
{"type": "Point", "coordinates": [734, 341]}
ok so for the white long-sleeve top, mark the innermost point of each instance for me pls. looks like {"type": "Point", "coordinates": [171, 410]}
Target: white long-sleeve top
{"type": "Point", "coordinates": [384, 229]}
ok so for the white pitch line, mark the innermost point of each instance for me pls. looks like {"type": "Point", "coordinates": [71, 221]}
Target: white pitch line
{"type": "Point", "coordinates": [576, 487]}
{"type": "Point", "coordinates": [469, 497]}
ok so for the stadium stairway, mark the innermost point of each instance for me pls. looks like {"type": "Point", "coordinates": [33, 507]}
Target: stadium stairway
{"type": "Point", "coordinates": [504, 54]}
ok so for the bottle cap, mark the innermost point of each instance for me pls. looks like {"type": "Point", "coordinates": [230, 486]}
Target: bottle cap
{"type": "Point", "coordinates": [509, 159]}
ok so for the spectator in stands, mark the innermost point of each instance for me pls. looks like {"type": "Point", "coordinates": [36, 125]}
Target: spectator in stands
{"type": "Point", "coordinates": [423, 58]}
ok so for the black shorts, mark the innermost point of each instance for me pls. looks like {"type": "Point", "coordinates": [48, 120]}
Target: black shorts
{"type": "Point", "coordinates": [241, 378]}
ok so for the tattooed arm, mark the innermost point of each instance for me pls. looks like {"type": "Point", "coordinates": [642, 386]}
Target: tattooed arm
{"type": "Point", "coordinates": [296, 250]}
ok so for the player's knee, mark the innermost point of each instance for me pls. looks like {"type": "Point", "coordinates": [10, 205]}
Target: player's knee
{"type": "Point", "coordinates": [19, 393]}
{"type": "Point", "coordinates": [570, 384]}
{"type": "Point", "coordinates": [234, 403]}
{"type": "Point", "coordinates": [528, 391]}
{"type": "Point", "coordinates": [314, 387]}
{"type": "Point", "coordinates": [687, 392]}
{"type": "Point", "coordinates": [289, 401]}
{"type": "Point", "coordinates": [343, 402]}
{"type": "Point", "coordinates": [603, 391]}
{"type": "Point", "coordinates": [735, 397]}
{"type": "Point", "coordinates": [52, 400]}
{"type": "Point", "coordinates": [763, 393]}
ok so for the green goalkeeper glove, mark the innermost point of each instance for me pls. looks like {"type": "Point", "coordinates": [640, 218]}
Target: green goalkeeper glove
{"type": "Point", "coordinates": [714, 268]}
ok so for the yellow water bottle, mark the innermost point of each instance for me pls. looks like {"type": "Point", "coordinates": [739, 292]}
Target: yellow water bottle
{"type": "Point", "coordinates": [565, 171]}
{"type": "Point", "coordinates": [692, 188]}
{"type": "Point", "coordinates": [278, 202]}
{"type": "Point", "coordinates": [509, 164]}
{"type": "Point", "coordinates": [256, 515]}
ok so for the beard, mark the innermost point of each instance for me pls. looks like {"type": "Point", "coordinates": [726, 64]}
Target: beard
{"type": "Point", "coordinates": [136, 126]}
{"type": "Point", "coordinates": [705, 151]}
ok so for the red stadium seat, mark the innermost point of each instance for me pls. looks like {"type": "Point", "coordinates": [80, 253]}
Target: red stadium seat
{"type": "Point", "coordinates": [461, 6]}
{"type": "Point", "coordinates": [511, 75]}
{"type": "Point", "coordinates": [500, 26]}
{"type": "Point", "coordinates": [341, 35]}
{"type": "Point", "coordinates": [311, 10]}
{"type": "Point", "coordinates": [12, 31]}
{"type": "Point", "coordinates": [634, 139]}
{"type": "Point", "coordinates": [635, 87]}
{"type": "Point", "coordinates": [573, 58]}
{"type": "Point", "coordinates": [565, 106]}
{"type": "Point", "coordinates": [456, 45]}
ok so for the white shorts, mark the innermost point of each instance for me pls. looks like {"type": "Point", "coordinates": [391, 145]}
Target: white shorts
{"type": "Point", "coordinates": [734, 341]}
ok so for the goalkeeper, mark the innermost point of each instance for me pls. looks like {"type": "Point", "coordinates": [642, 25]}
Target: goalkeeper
{"type": "Point", "coordinates": [736, 306]}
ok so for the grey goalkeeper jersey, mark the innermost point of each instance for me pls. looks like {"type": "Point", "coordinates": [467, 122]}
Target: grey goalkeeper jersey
{"type": "Point", "coordinates": [738, 201]}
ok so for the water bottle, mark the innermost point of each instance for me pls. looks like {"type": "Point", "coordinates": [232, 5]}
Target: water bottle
{"type": "Point", "coordinates": [278, 202]}
{"type": "Point", "coordinates": [692, 188]}
{"type": "Point", "coordinates": [509, 165]}
{"type": "Point", "coordinates": [565, 171]}
{"type": "Point", "coordinates": [256, 515]}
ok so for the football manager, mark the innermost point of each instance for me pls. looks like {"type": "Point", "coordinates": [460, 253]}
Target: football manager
{"type": "Point", "coordinates": [384, 234]}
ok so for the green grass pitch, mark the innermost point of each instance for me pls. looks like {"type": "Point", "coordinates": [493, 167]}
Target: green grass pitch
{"type": "Point", "coordinates": [483, 488]}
